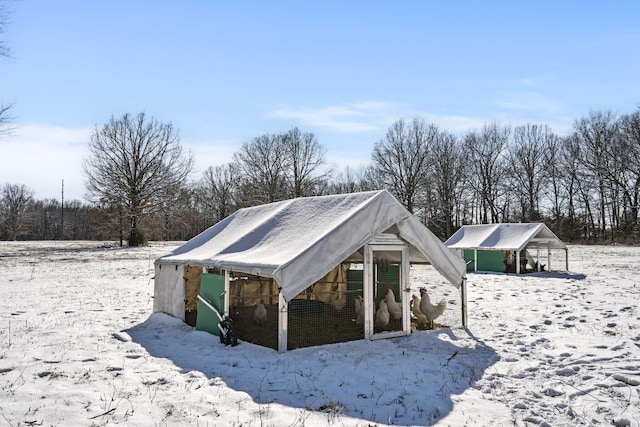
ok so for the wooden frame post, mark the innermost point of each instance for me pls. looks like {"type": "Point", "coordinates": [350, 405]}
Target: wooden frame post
{"type": "Point", "coordinates": [369, 284]}
{"type": "Point", "coordinates": [283, 308]}
{"type": "Point", "coordinates": [367, 292]}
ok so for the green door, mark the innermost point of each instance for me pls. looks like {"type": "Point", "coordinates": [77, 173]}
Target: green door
{"type": "Point", "coordinates": [212, 290]}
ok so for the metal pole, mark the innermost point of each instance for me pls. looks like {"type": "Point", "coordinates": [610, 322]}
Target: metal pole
{"type": "Point", "coordinates": [475, 260]}
{"type": "Point", "coordinates": [62, 214]}
{"type": "Point", "coordinates": [463, 299]}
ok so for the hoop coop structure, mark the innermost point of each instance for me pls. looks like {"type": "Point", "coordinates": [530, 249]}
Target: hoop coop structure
{"type": "Point", "coordinates": [304, 272]}
{"type": "Point", "coordinates": [509, 247]}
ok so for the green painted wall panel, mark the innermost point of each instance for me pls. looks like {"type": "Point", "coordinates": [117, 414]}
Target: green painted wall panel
{"type": "Point", "coordinates": [469, 260]}
{"type": "Point", "coordinates": [212, 290]}
{"type": "Point", "coordinates": [387, 275]}
{"type": "Point", "coordinates": [487, 260]}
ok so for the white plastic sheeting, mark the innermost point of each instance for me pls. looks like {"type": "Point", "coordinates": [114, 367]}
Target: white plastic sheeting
{"type": "Point", "coordinates": [297, 241]}
{"type": "Point", "coordinates": [169, 290]}
{"type": "Point", "coordinates": [507, 237]}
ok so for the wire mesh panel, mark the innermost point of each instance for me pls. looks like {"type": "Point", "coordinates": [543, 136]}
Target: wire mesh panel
{"type": "Point", "coordinates": [332, 309]}
{"type": "Point", "coordinates": [327, 312]}
{"type": "Point", "coordinates": [312, 321]}
{"type": "Point", "coordinates": [253, 307]}
{"type": "Point", "coordinates": [438, 289]}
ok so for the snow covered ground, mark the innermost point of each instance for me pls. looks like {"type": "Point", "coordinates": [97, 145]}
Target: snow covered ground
{"type": "Point", "coordinates": [79, 346]}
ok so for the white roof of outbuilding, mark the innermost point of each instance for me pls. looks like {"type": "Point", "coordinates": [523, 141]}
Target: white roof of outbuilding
{"type": "Point", "coordinates": [513, 237]}
{"type": "Point", "coordinates": [298, 241]}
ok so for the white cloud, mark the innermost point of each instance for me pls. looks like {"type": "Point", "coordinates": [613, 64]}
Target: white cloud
{"type": "Point", "coordinates": [528, 81]}
{"type": "Point", "coordinates": [372, 117]}
{"type": "Point", "coordinates": [41, 156]}
{"type": "Point", "coordinates": [345, 118]}
{"type": "Point", "coordinates": [453, 123]}
{"type": "Point", "coordinates": [526, 101]}
{"type": "Point", "coordinates": [520, 107]}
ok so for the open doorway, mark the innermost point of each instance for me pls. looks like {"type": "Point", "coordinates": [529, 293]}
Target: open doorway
{"type": "Point", "coordinates": [386, 290]}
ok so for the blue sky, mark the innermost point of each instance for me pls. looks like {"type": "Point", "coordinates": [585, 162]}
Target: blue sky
{"type": "Point", "coordinates": [224, 72]}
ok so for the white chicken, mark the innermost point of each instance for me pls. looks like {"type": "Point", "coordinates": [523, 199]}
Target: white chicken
{"type": "Point", "coordinates": [431, 311]}
{"type": "Point", "coordinates": [359, 309]}
{"type": "Point", "coordinates": [382, 315]}
{"type": "Point", "coordinates": [260, 314]}
{"type": "Point", "coordinates": [338, 299]}
{"type": "Point", "coordinates": [421, 319]}
{"type": "Point", "coordinates": [395, 308]}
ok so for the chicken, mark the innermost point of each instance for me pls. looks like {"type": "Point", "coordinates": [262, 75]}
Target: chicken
{"type": "Point", "coordinates": [421, 319]}
{"type": "Point", "coordinates": [395, 308]}
{"type": "Point", "coordinates": [338, 300]}
{"type": "Point", "coordinates": [382, 315]}
{"type": "Point", "coordinates": [359, 309]}
{"type": "Point", "coordinates": [260, 314]}
{"type": "Point", "coordinates": [431, 311]}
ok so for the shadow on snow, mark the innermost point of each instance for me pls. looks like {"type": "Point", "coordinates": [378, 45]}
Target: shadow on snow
{"type": "Point", "coordinates": [543, 274]}
{"type": "Point", "coordinates": [400, 381]}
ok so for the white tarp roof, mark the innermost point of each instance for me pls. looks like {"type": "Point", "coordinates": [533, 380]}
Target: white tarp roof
{"type": "Point", "coordinates": [507, 237]}
{"type": "Point", "coordinates": [298, 241]}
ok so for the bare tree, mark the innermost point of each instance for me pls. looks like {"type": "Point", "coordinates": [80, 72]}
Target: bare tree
{"type": "Point", "coordinates": [262, 163]}
{"type": "Point", "coordinates": [448, 163]}
{"type": "Point", "coordinates": [15, 202]}
{"type": "Point", "coordinates": [305, 156]}
{"type": "Point", "coordinates": [596, 133]}
{"type": "Point", "coordinates": [400, 160]}
{"type": "Point", "coordinates": [352, 180]}
{"type": "Point", "coordinates": [5, 52]}
{"type": "Point", "coordinates": [5, 118]}
{"type": "Point", "coordinates": [528, 169]}
{"type": "Point", "coordinates": [488, 167]}
{"type": "Point", "coordinates": [217, 190]}
{"type": "Point", "coordinates": [175, 220]}
{"type": "Point", "coordinates": [553, 160]}
{"type": "Point", "coordinates": [580, 188]}
{"type": "Point", "coordinates": [616, 144]}
{"type": "Point", "coordinates": [279, 166]}
{"type": "Point", "coordinates": [629, 155]}
{"type": "Point", "coordinates": [135, 165]}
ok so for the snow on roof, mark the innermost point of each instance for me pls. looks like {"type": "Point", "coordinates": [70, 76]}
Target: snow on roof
{"type": "Point", "coordinates": [512, 237]}
{"type": "Point", "coordinates": [298, 241]}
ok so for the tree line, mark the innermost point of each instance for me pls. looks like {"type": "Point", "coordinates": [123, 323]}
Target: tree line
{"type": "Point", "coordinates": [585, 185]}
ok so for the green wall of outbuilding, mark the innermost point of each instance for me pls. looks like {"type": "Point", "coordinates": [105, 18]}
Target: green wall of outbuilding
{"type": "Point", "coordinates": [487, 260]}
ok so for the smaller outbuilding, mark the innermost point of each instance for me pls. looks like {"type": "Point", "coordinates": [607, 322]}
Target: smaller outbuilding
{"type": "Point", "coordinates": [510, 248]}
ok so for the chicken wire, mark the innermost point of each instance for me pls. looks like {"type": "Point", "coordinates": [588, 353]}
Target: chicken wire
{"type": "Point", "coordinates": [326, 312]}
{"type": "Point", "coordinates": [245, 294]}
{"type": "Point", "coordinates": [322, 314]}
{"type": "Point", "coordinates": [438, 288]}
{"type": "Point", "coordinates": [317, 317]}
